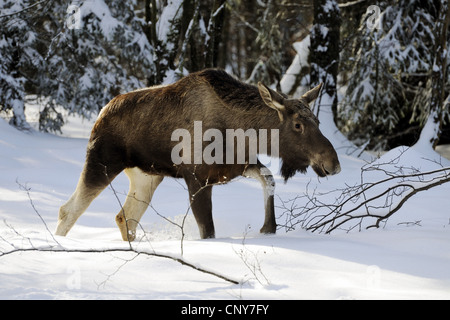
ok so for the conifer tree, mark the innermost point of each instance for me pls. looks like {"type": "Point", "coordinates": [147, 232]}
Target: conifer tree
{"type": "Point", "coordinates": [388, 92]}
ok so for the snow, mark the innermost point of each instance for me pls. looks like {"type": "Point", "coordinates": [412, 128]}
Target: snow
{"type": "Point", "coordinates": [398, 261]}
{"type": "Point", "coordinates": [429, 132]}
{"type": "Point", "coordinates": [101, 10]}
{"type": "Point", "coordinates": [300, 61]}
{"type": "Point", "coordinates": [170, 12]}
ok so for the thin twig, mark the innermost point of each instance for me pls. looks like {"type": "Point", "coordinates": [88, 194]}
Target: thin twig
{"type": "Point", "coordinates": [359, 202]}
{"type": "Point", "coordinates": [59, 248]}
{"type": "Point", "coordinates": [27, 190]}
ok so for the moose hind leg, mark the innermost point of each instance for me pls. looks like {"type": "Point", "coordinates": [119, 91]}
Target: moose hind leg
{"type": "Point", "coordinates": [142, 188]}
{"type": "Point", "coordinates": [76, 205]}
{"type": "Point", "coordinates": [94, 178]}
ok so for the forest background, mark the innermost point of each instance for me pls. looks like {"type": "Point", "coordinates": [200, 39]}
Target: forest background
{"type": "Point", "coordinates": [384, 63]}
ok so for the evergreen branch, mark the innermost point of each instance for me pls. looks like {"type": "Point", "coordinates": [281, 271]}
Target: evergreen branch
{"type": "Point", "coordinates": [23, 10]}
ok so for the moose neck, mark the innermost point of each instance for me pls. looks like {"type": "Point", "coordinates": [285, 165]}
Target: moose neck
{"type": "Point", "coordinates": [260, 121]}
{"type": "Point", "coordinates": [247, 110]}
{"type": "Point", "coordinates": [241, 106]}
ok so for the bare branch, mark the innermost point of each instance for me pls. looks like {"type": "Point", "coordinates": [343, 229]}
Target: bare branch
{"type": "Point", "coordinates": [139, 252]}
{"type": "Point", "coordinates": [27, 190]}
{"type": "Point", "coordinates": [352, 206]}
{"type": "Point", "coordinates": [251, 261]}
{"type": "Point", "coordinates": [59, 248]}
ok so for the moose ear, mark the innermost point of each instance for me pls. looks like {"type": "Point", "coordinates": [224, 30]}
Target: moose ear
{"type": "Point", "coordinates": [312, 94]}
{"type": "Point", "coordinates": [272, 98]}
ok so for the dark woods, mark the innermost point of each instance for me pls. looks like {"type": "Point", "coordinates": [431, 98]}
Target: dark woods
{"type": "Point", "coordinates": [385, 68]}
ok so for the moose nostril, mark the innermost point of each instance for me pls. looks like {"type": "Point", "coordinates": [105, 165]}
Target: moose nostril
{"type": "Point", "coordinates": [332, 169]}
{"type": "Point", "coordinates": [325, 170]}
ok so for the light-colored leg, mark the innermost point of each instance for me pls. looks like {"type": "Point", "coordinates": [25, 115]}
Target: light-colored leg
{"type": "Point", "coordinates": [142, 187]}
{"type": "Point", "coordinates": [264, 176]}
{"type": "Point", "coordinates": [75, 206]}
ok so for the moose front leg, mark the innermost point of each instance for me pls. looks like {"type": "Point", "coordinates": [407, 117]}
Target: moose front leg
{"type": "Point", "coordinates": [264, 176]}
{"type": "Point", "coordinates": [200, 198]}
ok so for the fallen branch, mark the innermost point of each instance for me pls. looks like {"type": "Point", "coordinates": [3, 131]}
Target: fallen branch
{"type": "Point", "coordinates": [351, 207]}
{"type": "Point", "coordinates": [59, 248]}
{"type": "Point", "coordinates": [138, 252]}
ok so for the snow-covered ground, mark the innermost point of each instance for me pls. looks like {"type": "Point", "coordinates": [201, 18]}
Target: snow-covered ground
{"type": "Point", "coordinates": [408, 258]}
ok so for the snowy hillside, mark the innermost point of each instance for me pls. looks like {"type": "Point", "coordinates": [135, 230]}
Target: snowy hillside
{"type": "Point", "coordinates": [407, 258]}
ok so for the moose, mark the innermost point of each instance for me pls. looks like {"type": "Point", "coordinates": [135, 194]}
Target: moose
{"type": "Point", "coordinates": [134, 133]}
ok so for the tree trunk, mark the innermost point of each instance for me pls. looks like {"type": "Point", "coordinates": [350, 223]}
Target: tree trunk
{"type": "Point", "coordinates": [215, 25]}
{"type": "Point", "coordinates": [324, 54]}
{"type": "Point", "coordinates": [324, 61]}
{"type": "Point", "coordinates": [433, 127]}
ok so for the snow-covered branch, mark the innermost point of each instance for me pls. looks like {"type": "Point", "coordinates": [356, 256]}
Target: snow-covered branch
{"type": "Point", "coordinates": [9, 14]}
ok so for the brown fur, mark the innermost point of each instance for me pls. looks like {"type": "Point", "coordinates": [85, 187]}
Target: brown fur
{"type": "Point", "coordinates": [134, 131]}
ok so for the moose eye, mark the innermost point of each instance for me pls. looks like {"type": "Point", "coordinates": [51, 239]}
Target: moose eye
{"type": "Point", "coordinates": [298, 127]}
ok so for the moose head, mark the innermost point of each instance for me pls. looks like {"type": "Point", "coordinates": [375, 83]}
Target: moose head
{"type": "Point", "coordinates": [301, 144]}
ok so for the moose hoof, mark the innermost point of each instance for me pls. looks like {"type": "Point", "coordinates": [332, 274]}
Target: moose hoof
{"type": "Point", "coordinates": [131, 235]}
